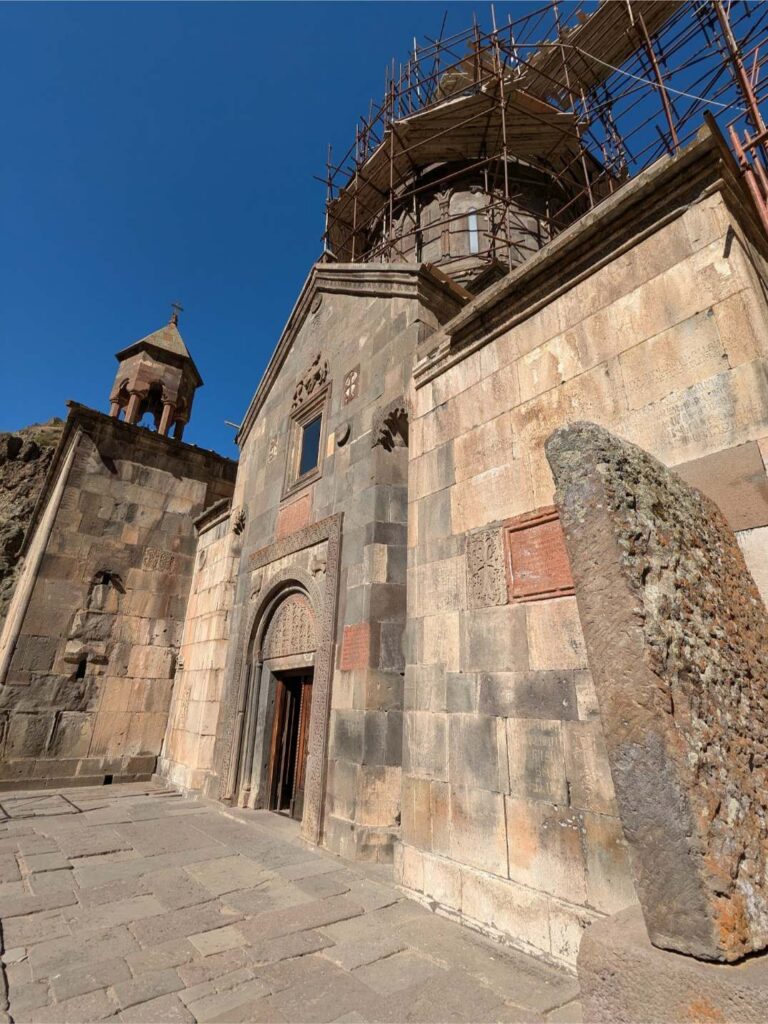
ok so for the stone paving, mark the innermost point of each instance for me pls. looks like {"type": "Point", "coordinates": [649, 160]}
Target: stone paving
{"type": "Point", "coordinates": [132, 904]}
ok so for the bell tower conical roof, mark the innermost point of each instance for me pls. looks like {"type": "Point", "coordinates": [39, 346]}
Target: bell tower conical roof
{"type": "Point", "coordinates": [156, 375]}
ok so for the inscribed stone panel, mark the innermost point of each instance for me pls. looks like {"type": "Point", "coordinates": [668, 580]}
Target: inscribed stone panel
{"type": "Point", "coordinates": [537, 561]}
{"type": "Point", "coordinates": [293, 517]}
{"type": "Point", "coordinates": [355, 647]}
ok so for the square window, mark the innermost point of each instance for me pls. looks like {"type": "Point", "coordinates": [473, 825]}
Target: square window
{"type": "Point", "coordinates": [310, 445]}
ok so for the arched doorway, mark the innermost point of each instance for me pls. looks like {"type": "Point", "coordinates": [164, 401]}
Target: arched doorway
{"type": "Point", "coordinates": [275, 740]}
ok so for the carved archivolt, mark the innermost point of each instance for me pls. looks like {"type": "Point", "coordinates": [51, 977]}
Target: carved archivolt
{"type": "Point", "coordinates": [314, 378]}
{"type": "Point", "coordinates": [291, 629]}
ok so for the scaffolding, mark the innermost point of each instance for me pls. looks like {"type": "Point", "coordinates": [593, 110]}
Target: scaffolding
{"type": "Point", "coordinates": [581, 95]}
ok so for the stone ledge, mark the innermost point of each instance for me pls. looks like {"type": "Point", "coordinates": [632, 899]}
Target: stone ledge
{"type": "Point", "coordinates": [624, 979]}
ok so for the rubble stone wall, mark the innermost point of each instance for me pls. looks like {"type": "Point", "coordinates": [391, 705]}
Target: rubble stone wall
{"type": "Point", "coordinates": [509, 817]}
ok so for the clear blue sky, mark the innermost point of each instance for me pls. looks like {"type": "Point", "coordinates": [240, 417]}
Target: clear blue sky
{"type": "Point", "coordinates": [162, 151]}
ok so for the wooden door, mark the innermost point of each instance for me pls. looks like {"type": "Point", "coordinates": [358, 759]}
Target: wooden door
{"type": "Point", "coordinates": [290, 738]}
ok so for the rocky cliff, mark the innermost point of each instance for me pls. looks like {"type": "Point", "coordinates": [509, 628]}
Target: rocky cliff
{"type": "Point", "coordinates": [24, 460]}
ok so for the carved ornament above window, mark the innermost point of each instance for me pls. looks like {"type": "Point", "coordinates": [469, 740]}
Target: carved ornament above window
{"type": "Point", "coordinates": [314, 378]}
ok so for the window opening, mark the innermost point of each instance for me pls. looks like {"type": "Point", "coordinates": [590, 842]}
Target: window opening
{"type": "Point", "coordinates": [474, 235]}
{"type": "Point", "coordinates": [310, 446]}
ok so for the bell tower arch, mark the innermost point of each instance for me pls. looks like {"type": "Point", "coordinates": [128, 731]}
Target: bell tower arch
{"type": "Point", "coordinates": [156, 375]}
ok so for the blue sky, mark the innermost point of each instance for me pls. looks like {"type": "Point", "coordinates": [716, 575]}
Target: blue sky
{"type": "Point", "coordinates": [163, 151]}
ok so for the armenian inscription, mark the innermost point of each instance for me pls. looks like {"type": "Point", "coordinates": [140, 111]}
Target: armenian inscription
{"type": "Point", "coordinates": [536, 557]}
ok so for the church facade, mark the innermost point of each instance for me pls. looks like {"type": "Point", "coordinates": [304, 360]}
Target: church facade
{"type": "Point", "coordinates": [368, 622]}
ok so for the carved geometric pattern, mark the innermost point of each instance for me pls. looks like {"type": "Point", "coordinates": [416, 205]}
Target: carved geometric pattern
{"type": "Point", "coordinates": [537, 561]}
{"type": "Point", "coordinates": [351, 384]}
{"type": "Point", "coordinates": [313, 379]}
{"type": "Point", "coordinates": [291, 629]}
{"type": "Point", "coordinates": [306, 538]}
{"type": "Point", "coordinates": [158, 559]}
{"type": "Point", "coordinates": [486, 578]}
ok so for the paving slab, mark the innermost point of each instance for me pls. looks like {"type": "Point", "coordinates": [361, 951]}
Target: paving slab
{"type": "Point", "coordinates": [146, 908]}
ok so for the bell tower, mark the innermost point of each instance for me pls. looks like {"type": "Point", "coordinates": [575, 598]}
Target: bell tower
{"type": "Point", "coordinates": [156, 375]}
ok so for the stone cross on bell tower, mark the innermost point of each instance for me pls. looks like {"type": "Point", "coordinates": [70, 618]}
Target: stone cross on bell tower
{"type": "Point", "coordinates": [156, 375]}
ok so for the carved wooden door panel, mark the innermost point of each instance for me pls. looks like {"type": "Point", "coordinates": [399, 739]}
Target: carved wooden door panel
{"type": "Point", "coordinates": [290, 735]}
{"type": "Point", "coordinates": [302, 746]}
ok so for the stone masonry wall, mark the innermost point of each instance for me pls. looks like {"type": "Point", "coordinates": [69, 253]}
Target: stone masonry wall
{"type": "Point", "coordinates": [367, 337]}
{"type": "Point", "coordinates": [357, 335]}
{"type": "Point", "coordinates": [509, 817]}
{"type": "Point", "coordinates": [89, 683]}
{"type": "Point", "coordinates": [188, 749]}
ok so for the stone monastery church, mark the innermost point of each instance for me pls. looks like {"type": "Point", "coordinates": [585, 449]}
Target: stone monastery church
{"type": "Point", "coordinates": [369, 622]}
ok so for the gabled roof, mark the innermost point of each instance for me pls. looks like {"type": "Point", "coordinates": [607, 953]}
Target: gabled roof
{"type": "Point", "coordinates": [166, 340]}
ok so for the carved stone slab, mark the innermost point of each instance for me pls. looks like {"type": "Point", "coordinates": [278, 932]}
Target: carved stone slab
{"type": "Point", "coordinates": [677, 639]}
{"type": "Point", "coordinates": [158, 560]}
{"type": "Point", "coordinates": [291, 629]}
{"type": "Point", "coordinates": [486, 579]}
{"type": "Point", "coordinates": [537, 560]}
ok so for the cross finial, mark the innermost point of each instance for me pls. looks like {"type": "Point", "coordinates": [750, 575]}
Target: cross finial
{"type": "Point", "coordinates": [177, 308]}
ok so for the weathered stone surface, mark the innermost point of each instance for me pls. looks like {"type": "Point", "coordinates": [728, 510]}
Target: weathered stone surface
{"type": "Point", "coordinates": [676, 635]}
{"type": "Point", "coordinates": [624, 978]}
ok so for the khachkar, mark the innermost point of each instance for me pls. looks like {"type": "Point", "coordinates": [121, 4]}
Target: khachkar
{"type": "Point", "coordinates": [677, 640]}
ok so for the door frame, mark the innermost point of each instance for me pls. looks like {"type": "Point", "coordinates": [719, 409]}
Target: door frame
{"type": "Point", "coordinates": [246, 678]}
{"type": "Point", "coordinates": [304, 677]}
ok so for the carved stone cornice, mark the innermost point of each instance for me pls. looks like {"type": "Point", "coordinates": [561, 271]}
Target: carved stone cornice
{"type": "Point", "coordinates": [421, 282]}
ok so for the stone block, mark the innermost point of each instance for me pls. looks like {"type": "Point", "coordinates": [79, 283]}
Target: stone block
{"type": "Point", "coordinates": [494, 640]}
{"type": "Point", "coordinates": [609, 874]}
{"type": "Point", "coordinates": [506, 908]}
{"type": "Point", "coordinates": [545, 848]}
{"type": "Point", "coordinates": [754, 545]}
{"type": "Point", "coordinates": [624, 978]}
{"type": "Point", "coordinates": [378, 800]}
{"type": "Point", "coordinates": [555, 640]}
{"type": "Point", "coordinates": [676, 633]}
{"type": "Point", "coordinates": [587, 768]}
{"type": "Point", "coordinates": [461, 692]}
{"type": "Point", "coordinates": [347, 735]}
{"type": "Point", "coordinates": [735, 479]}
{"type": "Point", "coordinates": [672, 360]}
{"type": "Point", "coordinates": [391, 657]}
{"type": "Point", "coordinates": [151, 662]}
{"type": "Point", "coordinates": [537, 760]}
{"type": "Point", "coordinates": [478, 835]}
{"type": "Point", "coordinates": [415, 812]}
{"type": "Point", "coordinates": [425, 750]}
{"type": "Point", "coordinates": [442, 881]}
{"type": "Point", "coordinates": [383, 738]}
{"type": "Point", "coordinates": [477, 752]}
{"type": "Point", "coordinates": [546, 695]}
{"type": "Point", "coordinates": [34, 654]}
